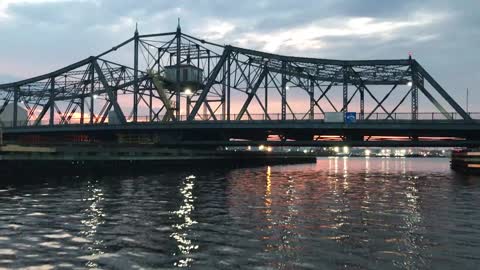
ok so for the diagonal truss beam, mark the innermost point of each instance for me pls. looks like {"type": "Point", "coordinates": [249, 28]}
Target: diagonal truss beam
{"type": "Point", "coordinates": [382, 101]}
{"type": "Point", "coordinates": [252, 94]}
{"type": "Point", "coordinates": [111, 95]}
{"type": "Point", "coordinates": [209, 84]}
{"type": "Point", "coordinates": [441, 91]}
{"type": "Point", "coordinates": [434, 101]}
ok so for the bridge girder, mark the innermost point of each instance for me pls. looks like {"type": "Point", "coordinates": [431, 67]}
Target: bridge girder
{"type": "Point", "coordinates": [237, 83]}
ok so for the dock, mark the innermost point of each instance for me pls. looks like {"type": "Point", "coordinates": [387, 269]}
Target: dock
{"type": "Point", "coordinates": [77, 159]}
{"type": "Point", "coordinates": [466, 161]}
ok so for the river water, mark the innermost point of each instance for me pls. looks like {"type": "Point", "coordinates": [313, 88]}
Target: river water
{"type": "Point", "coordinates": [340, 213]}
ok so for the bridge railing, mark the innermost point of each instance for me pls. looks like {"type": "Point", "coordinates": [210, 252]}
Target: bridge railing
{"type": "Point", "coordinates": [427, 116]}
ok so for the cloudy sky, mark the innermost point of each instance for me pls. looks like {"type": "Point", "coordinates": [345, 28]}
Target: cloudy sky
{"type": "Point", "coordinates": [41, 35]}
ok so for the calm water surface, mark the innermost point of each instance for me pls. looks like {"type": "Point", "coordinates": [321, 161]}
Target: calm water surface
{"type": "Point", "coordinates": [350, 213]}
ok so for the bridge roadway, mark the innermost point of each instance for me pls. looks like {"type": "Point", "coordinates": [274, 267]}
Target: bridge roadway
{"type": "Point", "coordinates": [403, 133]}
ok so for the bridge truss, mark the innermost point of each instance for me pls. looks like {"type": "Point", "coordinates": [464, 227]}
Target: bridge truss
{"type": "Point", "coordinates": [129, 83]}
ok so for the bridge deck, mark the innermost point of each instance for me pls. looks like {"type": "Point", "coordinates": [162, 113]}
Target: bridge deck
{"type": "Point", "coordinates": [293, 132]}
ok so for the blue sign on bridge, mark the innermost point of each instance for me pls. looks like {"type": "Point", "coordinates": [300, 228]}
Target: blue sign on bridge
{"type": "Point", "coordinates": [350, 117]}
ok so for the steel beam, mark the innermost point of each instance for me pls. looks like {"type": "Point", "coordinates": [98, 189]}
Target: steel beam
{"type": "Point", "coordinates": [442, 92]}
{"type": "Point", "coordinates": [251, 94]}
{"type": "Point", "coordinates": [266, 96]}
{"type": "Point", "coordinates": [16, 94]}
{"type": "Point", "coordinates": [415, 82]}
{"type": "Point", "coordinates": [382, 101]}
{"type": "Point", "coordinates": [111, 95]}
{"type": "Point", "coordinates": [284, 90]}
{"type": "Point", "coordinates": [48, 75]}
{"type": "Point", "coordinates": [52, 101]}
{"type": "Point", "coordinates": [362, 102]}
{"type": "Point", "coordinates": [398, 62]}
{"type": "Point", "coordinates": [135, 77]}
{"type": "Point", "coordinates": [229, 100]}
{"type": "Point", "coordinates": [177, 78]}
{"type": "Point", "coordinates": [92, 91]}
{"type": "Point", "coordinates": [434, 101]}
{"type": "Point", "coordinates": [345, 89]}
{"type": "Point", "coordinates": [211, 81]}
{"type": "Point", "coordinates": [311, 94]}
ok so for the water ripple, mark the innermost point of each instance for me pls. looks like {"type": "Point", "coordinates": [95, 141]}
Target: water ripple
{"type": "Point", "coordinates": [349, 213]}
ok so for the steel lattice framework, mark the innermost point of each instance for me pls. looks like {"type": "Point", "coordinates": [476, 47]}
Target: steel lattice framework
{"type": "Point", "coordinates": [237, 84]}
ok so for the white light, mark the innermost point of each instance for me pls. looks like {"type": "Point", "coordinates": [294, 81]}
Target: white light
{"type": "Point", "coordinates": [188, 92]}
{"type": "Point", "coordinates": [336, 149]}
{"type": "Point", "coordinates": [95, 96]}
{"type": "Point", "coordinates": [261, 147]}
{"type": "Point", "coordinates": [367, 152]}
{"type": "Point", "coordinates": [305, 151]}
{"type": "Point", "coordinates": [269, 149]}
{"type": "Point", "coordinates": [410, 83]}
{"type": "Point", "coordinates": [345, 150]}
{"type": "Point", "coordinates": [287, 87]}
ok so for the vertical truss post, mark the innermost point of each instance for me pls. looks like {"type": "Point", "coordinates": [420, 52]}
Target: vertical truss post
{"type": "Point", "coordinates": [52, 101]}
{"type": "Point", "coordinates": [209, 68]}
{"type": "Point", "coordinates": [189, 102]}
{"type": "Point", "coordinates": [135, 77]}
{"type": "Point", "coordinates": [224, 90]}
{"type": "Point", "coordinates": [16, 94]}
{"type": "Point", "coordinates": [199, 75]}
{"type": "Point", "coordinates": [82, 106]}
{"type": "Point", "coordinates": [345, 89]}
{"type": "Point", "coordinates": [414, 92]}
{"type": "Point", "coordinates": [284, 90]}
{"type": "Point", "coordinates": [312, 99]}
{"type": "Point", "coordinates": [177, 82]}
{"type": "Point", "coordinates": [362, 102]}
{"type": "Point", "coordinates": [150, 103]}
{"type": "Point", "coordinates": [266, 95]}
{"type": "Point", "coordinates": [420, 83]}
{"type": "Point", "coordinates": [229, 103]}
{"type": "Point", "coordinates": [92, 92]}
{"type": "Point", "coordinates": [158, 60]}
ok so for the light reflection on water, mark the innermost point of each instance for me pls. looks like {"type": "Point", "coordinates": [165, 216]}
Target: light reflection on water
{"type": "Point", "coordinates": [353, 213]}
{"type": "Point", "coordinates": [93, 218]}
{"type": "Point", "coordinates": [185, 221]}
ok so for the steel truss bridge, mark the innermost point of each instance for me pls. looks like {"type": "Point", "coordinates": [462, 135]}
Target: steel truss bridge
{"type": "Point", "coordinates": [240, 96]}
